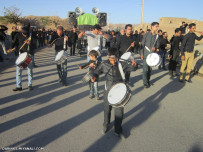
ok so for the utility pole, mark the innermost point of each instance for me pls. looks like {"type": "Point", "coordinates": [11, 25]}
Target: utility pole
{"type": "Point", "coordinates": [142, 12]}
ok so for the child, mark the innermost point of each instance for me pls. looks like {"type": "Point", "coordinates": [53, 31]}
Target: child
{"type": "Point", "coordinates": [93, 85]}
{"type": "Point", "coordinates": [113, 76]}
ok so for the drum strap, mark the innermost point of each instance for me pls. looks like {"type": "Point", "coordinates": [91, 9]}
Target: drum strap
{"type": "Point", "coordinates": [121, 71]}
{"type": "Point", "coordinates": [154, 43]}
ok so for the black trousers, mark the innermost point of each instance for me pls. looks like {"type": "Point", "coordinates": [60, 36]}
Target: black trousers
{"type": "Point", "coordinates": [174, 61]}
{"type": "Point", "coordinates": [72, 49]}
{"type": "Point", "coordinates": [107, 115]}
{"type": "Point", "coordinates": [127, 77]}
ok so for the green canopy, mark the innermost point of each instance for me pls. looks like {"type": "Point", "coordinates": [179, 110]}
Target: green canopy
{"type": "Point", "coordinates": [87, 19]}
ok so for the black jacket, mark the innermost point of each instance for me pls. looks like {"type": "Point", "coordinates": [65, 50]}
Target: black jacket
{"type": "Point", "coordinates": [19, 41]}
{"type": "Point", "coordinates": [112, 73]}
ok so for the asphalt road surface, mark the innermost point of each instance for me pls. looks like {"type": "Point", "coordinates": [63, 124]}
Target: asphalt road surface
{"type": "Point", "coordinates": [168, 117]}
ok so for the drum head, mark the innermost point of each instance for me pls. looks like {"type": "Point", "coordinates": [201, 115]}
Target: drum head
{"type": "Point", "coordinates": [153, 59]}
{"type": "Point", "coordinates": [59, 55]}
{"type": "Point", "coordinates": [21, 58]}
{"type": "Point", "coordinates": [126, 56]}
{"type": "Point", "coordinates": [117, 93]}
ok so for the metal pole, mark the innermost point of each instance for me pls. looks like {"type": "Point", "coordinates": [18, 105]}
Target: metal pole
{"type": "Point", "coordinates": [142, 12]}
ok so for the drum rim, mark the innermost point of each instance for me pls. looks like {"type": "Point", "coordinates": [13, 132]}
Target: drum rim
{"type": "Point", "coordinates": [128, 92]}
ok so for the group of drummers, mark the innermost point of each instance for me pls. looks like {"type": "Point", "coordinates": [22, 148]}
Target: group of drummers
{"type": "Point", "coordinates": [118, 66]}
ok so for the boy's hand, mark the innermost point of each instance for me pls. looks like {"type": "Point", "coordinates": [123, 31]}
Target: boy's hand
{"type": "Point", "coordinates": [66, 37]}
{"type": "Point", "coordinates": [183, 58]}
{"type": "Point", "coordinates": [133, 62]}
{"type": "Point", "coordinates": [93, 79]}
{"type": "Point", "coordinates": [49, 45]}
{"type": "Point", "coordinates": [142, 57]}
{"type": "Point", "coordinates": [92, 65]}
{"type": "Point", "coordinates": [80, 67]}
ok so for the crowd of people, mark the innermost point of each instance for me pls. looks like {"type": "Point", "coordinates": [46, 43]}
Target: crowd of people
{"type": "Point", "coordinates": [144, 43]}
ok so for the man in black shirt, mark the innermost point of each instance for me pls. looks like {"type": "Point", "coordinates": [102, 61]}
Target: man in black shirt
{"type": "Point", "coordinates": [183, 28]}
{"type": "Point", "coordinates": [124, 42]}
{"type": "Point", "coordinates": [112, 39]}
{"type": "Point", "coordinates": [59, 46]}
{"type": "Point", "coordinates": [163, 48]}
{"type": "Point", "coordinates": [73, 37]}
{"type": "Point", "coordinates": [174, 52]}
{"type": "Point", "coordinates": [187, 54]}
{"type": "Point", "coordinates": [19, 40]}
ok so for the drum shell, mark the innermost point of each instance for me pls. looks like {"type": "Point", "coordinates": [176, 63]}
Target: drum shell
{"type": "Point", "coordinates": [86, 78]}
{"type": "Point", "coordinates": [24, 64]}
{"type": "Point", "coordinates": [62, 59]}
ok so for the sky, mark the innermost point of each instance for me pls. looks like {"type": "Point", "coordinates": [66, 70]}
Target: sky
{"type": "Point", "coordinates": [119, 11]}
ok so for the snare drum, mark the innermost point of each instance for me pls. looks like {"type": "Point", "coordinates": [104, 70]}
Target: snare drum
{"type": "Point", "coordinates": [24, 60]}
{"type": "Point", "coordinates": [86, 78]}
{"type": "Point", "coordinates": [61, 57]}
{"type": "Point", "coordinates": [153, 60]}
{"type": "Point", "coordinates": [119, 95]}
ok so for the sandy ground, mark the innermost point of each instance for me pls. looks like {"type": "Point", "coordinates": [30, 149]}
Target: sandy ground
{"type": "Point", "coordinates": [168, 117]}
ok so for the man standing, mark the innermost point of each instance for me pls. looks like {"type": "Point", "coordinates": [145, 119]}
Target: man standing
{"type": "Point", "coordinates": [150, 43]}
{"type": "Point", "coordinates": [113, 39]}
{"type": "Point", "coordinates": [163, 49]}
{"type": "Point", "coordinates": [20, 39]}
{"type": "Point", "coordinates": [187, 54]}
{"type": "Point", "coordinates": [59, 46]}
{"type": "Point", "coordinates": [125, 43]}
{"type": "Point", "coordinates": [93, 38]}
{"type": "Point", "coordinates": [174, 52]}
{"type": "Point", "coordinates": [73, 37]}
{"type": "Point", "coordinates": [183, 28]}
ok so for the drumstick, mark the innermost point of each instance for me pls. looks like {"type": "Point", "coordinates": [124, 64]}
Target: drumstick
{"type": "Point", "coordinates": [129, 47]}
{"type": "Point", "coordinates": [53, 41]}
{"type": "Point", "coordinates": [11, 50]}
{"type": "Point", "coordinates": [24, 44]}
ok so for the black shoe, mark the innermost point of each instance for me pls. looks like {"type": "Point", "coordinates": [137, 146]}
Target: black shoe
{"type": "Point", "coordinates": [64, 84]}
{"type": "Point", "coordinates": [17, 89]}
{"type": "Point", "coordinates": [91, 96]}
{"type": "Point", "coordinates": [182, 81]}
{"type": "Point", "coordinates": [164, 69]}
{"type": "Point", "coordinates": [35, 66]}
{"type": "Point", "coordinates": [30, 88]}
{"type": "Point", "coordinates": [189, 81]}
{"type": "Point", "coordinates": [120, 135]}
{"type": "Point", "coordinates": [97, 98]}
{"type": "Point", "coordinates": [146, 86]}
{"type": "Point", "coordinates": [106, 129]}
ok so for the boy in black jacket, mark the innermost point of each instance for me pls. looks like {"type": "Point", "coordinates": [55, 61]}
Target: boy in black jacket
{"type": "Point", "coordinates": [93, 84]}
{"type": "Point", "coordinates": [113, 76]}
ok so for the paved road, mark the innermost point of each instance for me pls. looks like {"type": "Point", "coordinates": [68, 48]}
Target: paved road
{"type": "Point", "coordinates": [168, 117]}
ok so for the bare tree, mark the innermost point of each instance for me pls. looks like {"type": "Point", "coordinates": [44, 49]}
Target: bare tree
{"type": "Point", "coordinates": [12, 15]}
